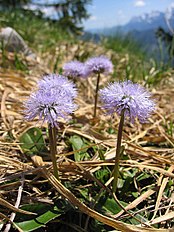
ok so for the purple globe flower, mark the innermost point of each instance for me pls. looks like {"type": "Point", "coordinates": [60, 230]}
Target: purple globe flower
{"type": "Point", "coordinates": [100, 64]}
{"type": "Point", "coordinates": [58, 82]}
{"type": "Point", "coordinates": [53, 100]}
{"type": "Point", "coordinates": [75, 69]}
{"type": "Point", "coordinates": [132, 98]}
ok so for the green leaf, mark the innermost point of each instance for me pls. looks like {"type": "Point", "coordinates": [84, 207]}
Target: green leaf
{"type": "Point", "coordinates": [32, 141]}
{"type": "Point", "coordinates": [38, 208]}
{"type": "Point", "coordinates": [143, 176]}
{"type": "Point", "coordinates": [135, 194]}
{"type": "Point", "coordinates": [112, 206]}
{"type": "Point", "coordinates": [39, 221]}
{"type": "Point", "coordinates": [79, 143]}
{"type": "Point", "coordinates": [103, 174]}
{"type": "Point", "coordinates": [51, 213]}
{"type": "Point", "coordinates": [109, 205]}
{"type": "Point", "coordinates": [84, 193]}
{"type": "Point", "coordinates": [133, 221]}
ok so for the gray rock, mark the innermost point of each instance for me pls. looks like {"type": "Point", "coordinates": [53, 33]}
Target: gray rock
{"type": "Point", "coordinates": [13, 42]}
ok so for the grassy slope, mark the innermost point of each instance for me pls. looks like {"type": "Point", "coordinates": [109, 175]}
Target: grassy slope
{"type": "Point", "coordinates": [39, 33]}
{"type": "Point", "coordinates": [44, 37]}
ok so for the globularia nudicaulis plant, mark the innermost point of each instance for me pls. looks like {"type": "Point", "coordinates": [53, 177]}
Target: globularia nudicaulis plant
{"type": "Point", "coordinates": [75, 69]}
{"type": "Point", "coordinates": [53, 100]}
{"type": "Point", "coordinates": [128, 100]}
{"type": "Point", "coordinates": [98, 65]}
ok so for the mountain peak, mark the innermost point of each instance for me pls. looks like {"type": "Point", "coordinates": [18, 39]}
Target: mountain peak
{"type": "Point", "coordinates": [147, 17]}
{"type": "Point", "coordinates": [147, 21]}
{"type": "Point", "coordinates": [169, 14]}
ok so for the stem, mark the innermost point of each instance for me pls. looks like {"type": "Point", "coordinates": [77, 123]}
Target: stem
{"type": "Point", "coordinates": [118, 149]}
{"type": "Point", "coordinates": [96, 94]}
{"type": "Point", "coordinates": [53, 149]}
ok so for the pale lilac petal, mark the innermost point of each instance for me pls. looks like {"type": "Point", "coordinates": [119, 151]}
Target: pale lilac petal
{"type": "Point", "coordinates": [133, 98]}
{"type": "Point", "coordinates": [75, 69]}
{"type": "Point", "coordinates": [53, 100]}
{"type": "Point", "coordinates": [100, 64]}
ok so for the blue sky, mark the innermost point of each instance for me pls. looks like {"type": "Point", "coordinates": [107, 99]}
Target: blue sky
{"type": "Point", "coordinates": [108, 13]}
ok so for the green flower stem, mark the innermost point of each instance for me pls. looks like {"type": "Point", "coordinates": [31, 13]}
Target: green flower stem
{"type": "Point", "coordinates": [53, 149]}
{"type": "Point", "coordinates": [118, 150]}
{"type": "Point", "coordinates": [96, 95]}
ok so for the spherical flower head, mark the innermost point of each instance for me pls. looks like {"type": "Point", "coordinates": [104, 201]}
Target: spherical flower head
{"type": "Point", "coordinates": [75, 69]}
{"type": "Point", "coordinates": [132, 98]}
{"type": "Point", "coordinates": [52, 101]}
{"type": "Point", "coordinates": [100, 64]}
{"type": "Point", "coordinates": [58, 81]}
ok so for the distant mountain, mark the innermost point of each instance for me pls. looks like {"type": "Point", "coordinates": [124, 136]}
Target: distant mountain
{"type": "Point", "coordinates": [142, 29]}
{"type": "Point", "coordinates": [144, 22]}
